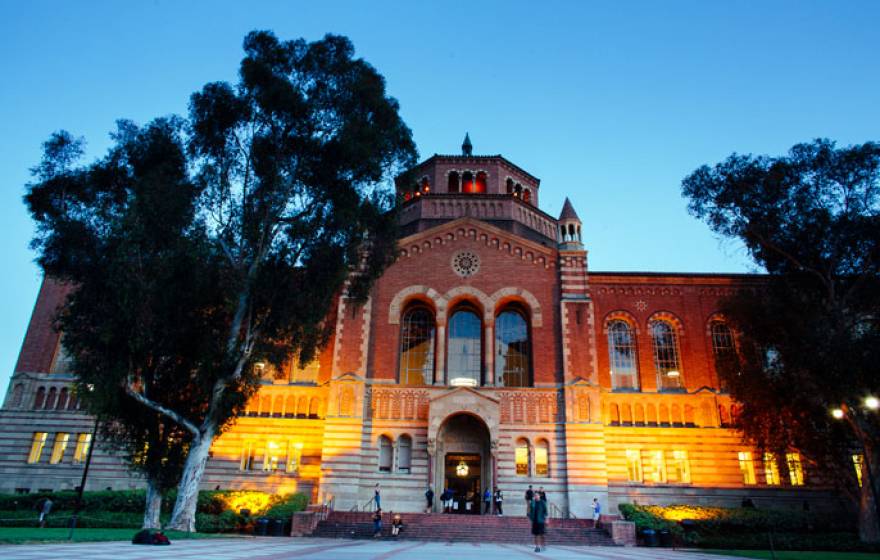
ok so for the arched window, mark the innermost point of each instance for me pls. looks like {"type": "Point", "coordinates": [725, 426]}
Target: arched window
{"type": "Point", "coordinates": [723, 345]}
{"type": "Point", "coordinates": [404, 453]}
{"type": "Point", "coordinates": [522, 457]}
{"type": "Point", "coordinates": [452, 185]}
{"type": "Point", "coordinates": [513, 353]}
{"type": "Point", "coordinates": [302, 406]}
{"type": "Point", "coordinates": [542, 458]}
{"type": "Point", "coordinates": [666, 360]}
{"type": "Point", "coordinates": [314, 408]}
{"type": "Point", "coordinates": [622, 355]}
{"type": "Point", "coordinates": [40, 398]}
{"type": "Point", "coordinates": [265, 406]}
{"type": "Point", "coordinates": [50, 399]}
{"type": "Point", "coordinates": [480, 183]}
{"type": "Point", "coordinates": [385, 454]}
{"type": "Point", "coordinates": [509, 185]}
{"type": "Point", "coordinates": [527, 196]}
{"type": "Point", "coordinates": [290, 406]}
{"type": "Point", "coordinates": [464, 360]}
{"type": "Point", "coordinates": [467, 182]}
{"type": "Point", "coordinates": [278, 410]}
{"type": "Point", "coordinates": [425, 185]}
{"type": "Point", "coordinates": [17, 395]}
{"type": "Point", "coordinates": [62, 399]}
{"type": "Point", "coordinates": [417, 346]}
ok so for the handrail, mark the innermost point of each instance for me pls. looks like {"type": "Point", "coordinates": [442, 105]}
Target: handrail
{"type": "Point", "coordinates": [366, 507]}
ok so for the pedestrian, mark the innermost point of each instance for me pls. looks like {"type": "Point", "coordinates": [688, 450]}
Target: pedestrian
{"type": "Point", "coordinates": [597, 512]}
{"type": "Point", "coordinates": [377, 497]}
{"type": "Point", "coordinates": [396, 524]}
{"type": "Point", "coordinates": [487, 500]}
{"type": "Point", "coordinates": [429, 499]}
{"type": "Point", "coordinates": [45, 508]}
{"type": "Point", "coordinates": [377, 523]}
{"type": "Point", "coordinates": [499, 498]}
{"type": "Point", "coordinates": [447, 501]}
{"type": "Point", "coordinates": [530, 495]}
{"type": "Point", "coordinates": [538, 516]}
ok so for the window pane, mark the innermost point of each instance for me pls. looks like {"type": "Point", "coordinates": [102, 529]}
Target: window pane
{"type": "Point", "coordinates": [59, 447]}
{"type": "Point", "coordinates": [465, 348]}
{"type": "Point", "coordinates": [795, 469]}
{"type": "Point", "coordinates": [294, 452]}
{"type": "Point", "coordinates": [417, 347]}
{"type": "Point", "coordinates": [541, 459]}
{"type": "Point", "coordinates": [747, 467]}
{"type": "Point", "coordinates": [656, 467]}
{"type": "Point", "coordinates": [37, 445]}
{"type": "Point", "coordinates": [622, 356]}
{"type": "Point", "coordinates": [522, 458]}
{"type": "Point", "coordinates": [273, 456]}
{"type": "Point", "coordinates": [385, 454]}
{"type": "Point", "coordinates": [247, 456]}
{"type": "Point", "coordinates": [666, 362]}
{"type": "Point", "coordinates": [83, 441]}
{"type": "Point", "coordinates": [512, 362]}
{"type": "Point", "coordinates": [858, 464]}
{"type": "Point", "coordinates": [404, 454]}
{"type": "Point", "coordinates": [681, 467]}
{"type": "Point", "coordinates": [634, 465]}
{"type": "Point", "coordinates": [771, 470]}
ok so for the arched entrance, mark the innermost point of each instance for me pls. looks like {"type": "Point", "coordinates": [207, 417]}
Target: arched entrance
{"type": "Point", "coordinates": [463, 462]}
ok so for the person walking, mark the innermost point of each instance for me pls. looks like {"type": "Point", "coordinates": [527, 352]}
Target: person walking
{"type": "Point", "coordinates": [377, 523]}
{"type": "Point", "coordinates": [530, 495]}
{"type": "Point", "coordinates": [487, 501]}
{"type": "Point", "coordinates": [377, 497]}
{"type": "Point", "coordinates": [45, 508]}
{"type": "Point", "coordinates": [597, 512]}
{"type": "Point", "coordinates": [429, 500]}
{"type": "Point", "coordinates": [538, 517]}
{"type": "Point", "coordinates": [499, 499]}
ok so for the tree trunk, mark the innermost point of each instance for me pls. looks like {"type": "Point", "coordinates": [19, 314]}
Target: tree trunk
{"type": "Point", "coordinates": [183, 518]}
{"type": "Point", "coordinates": [153, 507]}
{"type": "Point", "coordinates": [869, 524]}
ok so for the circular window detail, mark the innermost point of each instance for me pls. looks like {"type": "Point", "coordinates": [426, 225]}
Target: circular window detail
{"type": "Point", "coordinates": [465, 263]}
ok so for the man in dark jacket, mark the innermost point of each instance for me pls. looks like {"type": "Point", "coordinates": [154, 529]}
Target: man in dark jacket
{"type": "Point", "coordinates": [538, 517]}
{"type": "Point", "coordinates": [429, 500]}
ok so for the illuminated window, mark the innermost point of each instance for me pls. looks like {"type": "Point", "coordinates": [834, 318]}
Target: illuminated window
{"type": "Point", "coordinates": [681, 467]}
{"type": "Point", "coordinates": [859, 465]}
{"type": "Point", "coordinates": [386, 454]}
{"type": "Point", "coordinates": [480, 183]}
{"type": "Point", "coordinates": [81, 451]}
{"type": "Point", "coordinates": [464, 361]}
{"type": "Point", "coordinates": [656, 472]}
{"type": "Point", "coordinates": [37, 445]}
{"type": "Point", "coordinates": [622, 356]}
{"type": "Point", "coordinates": [417, 346]}
{"type": "Point", "coordinates": [513, 359]}
{"type": "Point", "coordinates": [795, 469]}
{"type": "Point", "coordinates": [58, 448]}
{"type": "Point", "coordinates": [634, 465]}
{"type": "Point", "coordinates": [527, 196]}
{"type": "Point", "coordinates": [404, 453]}
{"type": "Point", "coordinates": [273, 457]}
{"type": "Point", "coordinates": [294, 454]}
{"type": "Point", "coordinates": [771, 470]}
{"type": "Point", "coordinates": [522, 457]}
{"type": "Point", "coordinates": [747, 467]}
{"type": "Point", "coordinates": [467, 182]}
{"type": "Point", "coordinates": [666, 361]}
{"type": "Point", "coordinates": [542, 459]}
{"type": "Point", "coordinates": [248, 453]}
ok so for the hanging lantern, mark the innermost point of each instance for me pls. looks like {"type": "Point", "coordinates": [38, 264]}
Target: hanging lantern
{"type": "Point", "coordinates": [462, 469]}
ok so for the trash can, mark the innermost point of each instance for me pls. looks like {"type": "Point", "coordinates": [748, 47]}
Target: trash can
{"type": "Point", "coordinates": [665, 537]}
{"type": "Point", "coordinates": [261, 527]}
{"type": "Point", "coordinates": [276, 528]}
{"type": "Point", "coordinates": [649, 536]}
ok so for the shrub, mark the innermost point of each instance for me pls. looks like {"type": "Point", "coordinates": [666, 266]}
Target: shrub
{"type": "Point", "coordinates": [285, 506]}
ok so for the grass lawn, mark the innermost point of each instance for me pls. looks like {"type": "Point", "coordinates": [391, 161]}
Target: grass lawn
{"type": "Point", "coordinates": [20, 535]}
{"type": "Point", "coordinates": [796, 554]}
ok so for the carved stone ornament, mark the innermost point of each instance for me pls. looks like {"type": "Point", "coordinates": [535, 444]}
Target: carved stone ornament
{"type": "Point", "coordinates": [465, 263]}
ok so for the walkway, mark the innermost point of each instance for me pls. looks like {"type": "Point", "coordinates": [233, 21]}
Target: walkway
{"type": "Point", "coordinates": [329, 549]}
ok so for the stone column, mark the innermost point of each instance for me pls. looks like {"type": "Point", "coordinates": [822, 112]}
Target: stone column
{"type": "Point", "coordinates": [490, 356]}
{"type": "Point", "coordinates": [440, 369]}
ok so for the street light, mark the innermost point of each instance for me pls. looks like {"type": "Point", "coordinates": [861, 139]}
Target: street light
{"type": "Point", "coordinates": [871, 403]}
{"type": "Point", "coordinates": [837, 413]}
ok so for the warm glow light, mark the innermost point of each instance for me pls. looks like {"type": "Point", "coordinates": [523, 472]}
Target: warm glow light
{"type": "Point", "coordinates": [462, 469]}
{"type": "Point", "coordinates": [298, 445]}
{"type": "Point", "coordinates": [872, 402]}
{"type": "Point", "coordinates": [672, 373]}
{"type": "Point", "coordinates": [837, 413]}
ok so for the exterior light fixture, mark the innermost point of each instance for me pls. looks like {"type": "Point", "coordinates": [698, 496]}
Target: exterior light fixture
{"type": "Point", "coordinates": [872, 402]}
{"type": "Point", "coordinates": [837, 413]}
{"type": "Point", "coordinates": [259, 366]}
{"type": "Point", "coordinates": [462, 469]}
{"type": "Point", "coordinates": [672, 373]}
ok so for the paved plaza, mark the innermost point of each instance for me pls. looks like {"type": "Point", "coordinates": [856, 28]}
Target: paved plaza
{"type": "Point", "coordinates": [329, 549]}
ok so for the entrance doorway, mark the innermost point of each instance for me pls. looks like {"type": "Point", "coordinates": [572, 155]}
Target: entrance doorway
{"type": "Point", "coordinates": [463, 462]}
{"type": "Point", "coordinates": [463, 474]}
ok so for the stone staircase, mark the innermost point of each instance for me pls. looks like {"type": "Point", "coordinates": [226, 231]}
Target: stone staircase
{"type": "Point", "coordinates": [461, 528]}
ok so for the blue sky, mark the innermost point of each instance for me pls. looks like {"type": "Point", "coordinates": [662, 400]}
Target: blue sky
{"type": "Point", "coordinates": [609, 103]}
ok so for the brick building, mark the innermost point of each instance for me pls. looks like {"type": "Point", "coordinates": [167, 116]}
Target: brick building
{"type": "Point", "coordinates": [488, 354]}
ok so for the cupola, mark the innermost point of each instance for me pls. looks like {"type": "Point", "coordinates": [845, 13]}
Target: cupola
{"type": "Point", "coordinates": [569, 234]}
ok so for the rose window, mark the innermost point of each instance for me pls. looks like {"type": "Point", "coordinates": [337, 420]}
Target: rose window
{"type": "Point", "coordinates": [465, 263]}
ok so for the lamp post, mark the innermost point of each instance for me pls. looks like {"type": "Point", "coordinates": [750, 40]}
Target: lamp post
{"type": "Point", "coordinates": [871, 403]}
{"type": "Point", "coordinates": [82, 484]}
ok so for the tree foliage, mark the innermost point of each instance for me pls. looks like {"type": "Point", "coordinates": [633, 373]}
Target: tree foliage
{"type": "Point", "coordinates": [225, 242]}
{"type": "Point", "coordinates": [810, 338]}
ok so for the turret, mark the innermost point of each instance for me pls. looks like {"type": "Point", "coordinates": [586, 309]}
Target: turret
{"type": "Point", "coordinates": [569, 234]}
{"type": "Point", "coordinates": [467, 149]}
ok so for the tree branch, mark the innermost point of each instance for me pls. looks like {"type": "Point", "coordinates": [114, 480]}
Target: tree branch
{"type": "Point", "coordinates": [149, 403]}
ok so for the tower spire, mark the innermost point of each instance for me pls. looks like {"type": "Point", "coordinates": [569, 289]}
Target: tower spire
{"type": "Point", "coordinates": [467, 148]}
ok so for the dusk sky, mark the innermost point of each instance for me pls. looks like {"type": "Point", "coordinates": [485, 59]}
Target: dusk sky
{"type": "Point", "coordinates": [609, 103]}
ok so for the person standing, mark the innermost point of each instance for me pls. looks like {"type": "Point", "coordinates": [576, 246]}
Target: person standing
{"type": "Point", "coordinates": [499, 498]}
{"type": "Point", "coordinates": [538, 517]}
{"type": "Point", "coordinates": [487, 501]}
{"type": "Point", "coordinates": [377, 523]}
{"type": "Point", "coordinates": [429, 500]}
{"type": "Point", "coordinates": [45, 508]}
{"type": "Point", "coordinates": [597, 512]}
{"type": "Point", "coordinates": [377, 497]}
{"type": "Point", "coordinates": [530, 495]}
